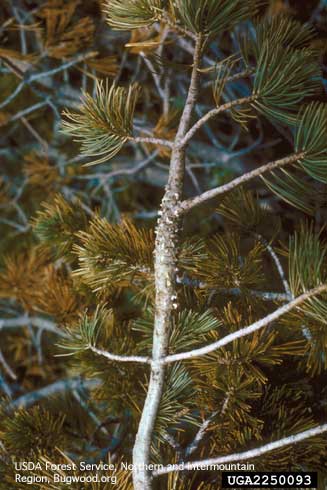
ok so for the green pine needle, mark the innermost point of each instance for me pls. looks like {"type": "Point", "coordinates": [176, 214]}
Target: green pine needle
{"type": "Point", "coordinates": [311, 138]}
{"type": "Point", "coordinates": [243, 212]}
{"type": "Point", "coordinates": [284, 78]}
{"type": "Point", "coordinates": [293, 188]}
{"type": "Point", "coordinates": [87, 333]}
{"type": "Point", "coordinates": [283, 31]}
{"type": "Point", "coordinates": [210, 17]}
{"type": "Point", "coordinates": [189, 330]}
{"type": "Point", "coordinates": [105, 122]}
{"type": "Point", "coordinates": [223, 71]}
{"type": "Point", "coordinates": [175, 403]}
{"type": "Point", "coordinates": [307, 256]}
{"type": "Point", "coordinates": [115, 254]}
{"type": "Point", "coordinates": [132, 14]}
{"type": "Point", "coordinates": [57, 224]}
{"type": "Point", "coordinates": [278, 31]}
{"type": "Point", "coordinates": [28, 433]}
{"type": "Point", "coordinates": [225, 266]}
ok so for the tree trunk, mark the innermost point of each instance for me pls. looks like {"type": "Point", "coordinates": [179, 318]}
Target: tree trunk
{"type": "Point", "coordinates": [165, 259]}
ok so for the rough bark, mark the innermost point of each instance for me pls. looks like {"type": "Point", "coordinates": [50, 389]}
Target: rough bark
{"type": "Point", "coordinates": [246, 455]}
{"type": "Point", "coordinates": [189, 204]}
{"type": "Point", "coordinates": [165, 257]}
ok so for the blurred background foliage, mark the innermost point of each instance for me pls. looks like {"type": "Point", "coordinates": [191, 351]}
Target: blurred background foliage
{"type": "Point", "coordinates": [57, 213]}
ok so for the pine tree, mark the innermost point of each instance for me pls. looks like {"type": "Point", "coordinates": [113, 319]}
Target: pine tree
{"type": "Point", "coordinates": [197, 347]}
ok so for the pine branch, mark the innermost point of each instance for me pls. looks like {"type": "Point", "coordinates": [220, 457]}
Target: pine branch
{"type": "Point", "coordinates": [165, 285]}
{"type": "Point", "coordinates": [147, 360]}
{"type": "Point", "coordinates": [6, 366]}
{"type": "Point", "coordinates": [26, 112]}
{"type": "Point", "coordinates": [177, 27]}
{"type": "Point", "coordinates": [211, 17]}
{"type": "Point", "coordinates": [252, 453]}
{"type": "Point", "coordinates": [289, 74]}
{"type": "Point", "coordinates": [105, 122]}
{"type": "Point", "coordinates": [68, 384]}
{"type": "Point", "coordinates": [35, 321]}
{"type": "Point", "coordinates": [174, 444]}
{"type": "Point", "coordinates": [153, 141]}
{"type": "Point", "coordinates": [242, 74]}
{"type": "Point", "coordinates": [90, 412]}
{"type": "Point", "coordinates": [263, 322]}
{"type": "Point", "coordinates": [278, 265]}
{"type": "Point", "coordinates": [189, 204]}
{"type": "Point", "coordinates": [132, 14]}
{"type": "Point", "coordinates": [35, 77]}
{"type": "Point", "coordinates": [156, 77]}
{"type": "Point", "coordinates": [118, 358]}
{"type": "Point", "coordinates": [264, 295]}
{"type": "Point", "coordinates": [213, 113]}
{"type": "Point", "coordinates": [282, 80]}
{"type": "Point", "coordinates": [124, 171]}
{"type": "Point", "coordinates": [200, 434]}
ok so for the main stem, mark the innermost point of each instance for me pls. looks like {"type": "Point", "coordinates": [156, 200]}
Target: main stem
{"type": "Point", "coordinates": [165, 259]}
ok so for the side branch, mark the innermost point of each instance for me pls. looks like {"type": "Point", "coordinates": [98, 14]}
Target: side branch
{"type": "Point", "coordinates": [153, 141]}
{"type": "Point", "coordinates": [35, 321]}
{"type": "Point", "coordinates": [178, 28]}
{"type": "Point", "coordinates": [200, 434]}
{"type": "Point", "coordinates": [252, 453]}
{"type": "Point", "coordinates": [118, 358]}
{"type": "Point", "coordinates": [189, 204]}
{"type": "Point", "coordinates": [247, 330]}
{"type": "Point", "coordinates": [278, 265]}
{"type": "Point", "coordinates": [35, 77]}
{"type": "Point", "coordinates": [213, 113]}
{"type": "Point", "coordinates": [46, 392]}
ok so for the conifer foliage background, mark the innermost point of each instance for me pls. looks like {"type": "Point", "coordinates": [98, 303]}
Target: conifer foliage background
{"type": "Point", "coordinates": [102, 105]}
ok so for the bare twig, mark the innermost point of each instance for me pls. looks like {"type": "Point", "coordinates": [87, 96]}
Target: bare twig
{"type": "Point", "coordinates": [264, 295]}
{"type": "Point", "coordinates": [200, 435]}
{"type": "Point", "coordinates": [69, 384]}
{"type": "Point", "coordinates": [213, 113]}
{"type": "Point", "coordinates": [6, 367]}
{"type": "Point", "coordinates": [122, 171]}
{"type": "Point", "coordinates": [30, 78]}
{"type": "Point", "coordinates": [131, 171]}
{"type": "Point", "coordinates": [252, 453]}
{"type": "Point", "coordinates": [174, 444]}
{"type": "Point", "coordinates": [26, 111]}
{"type": "Point", "coordinates": [4, 386]}
{"type": "Point", "coordinates": [36, 135]}
{"type": "Point", "coordinates": [37, 322]}
{"type": "Point", "coordinates": [22, 33]}
{"type": "Point", "coordinates": [189, 204]}
{"type": "Point", "coordinates": [13, 95]}
{"type": "Point", "coordinates": [242, 74]}
{"type": "Point", "coordinates": [278, 265]}
{"type": "Point", "coordinates": [263, 322]}
{"type": "Point", "coordinates": [178, 28]}
{"type": "Point", "coordinates": [90, 412]}
{"type": "Point", "coordinates": [153, 141]}
{"type": "Point", "coordinates": [118, 358]}
{"type": "Point", "coordinates": [154, 74]}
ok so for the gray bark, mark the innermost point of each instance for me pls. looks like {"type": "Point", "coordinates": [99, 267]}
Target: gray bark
{"type": "Point", "coordinates": [165, 256]}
